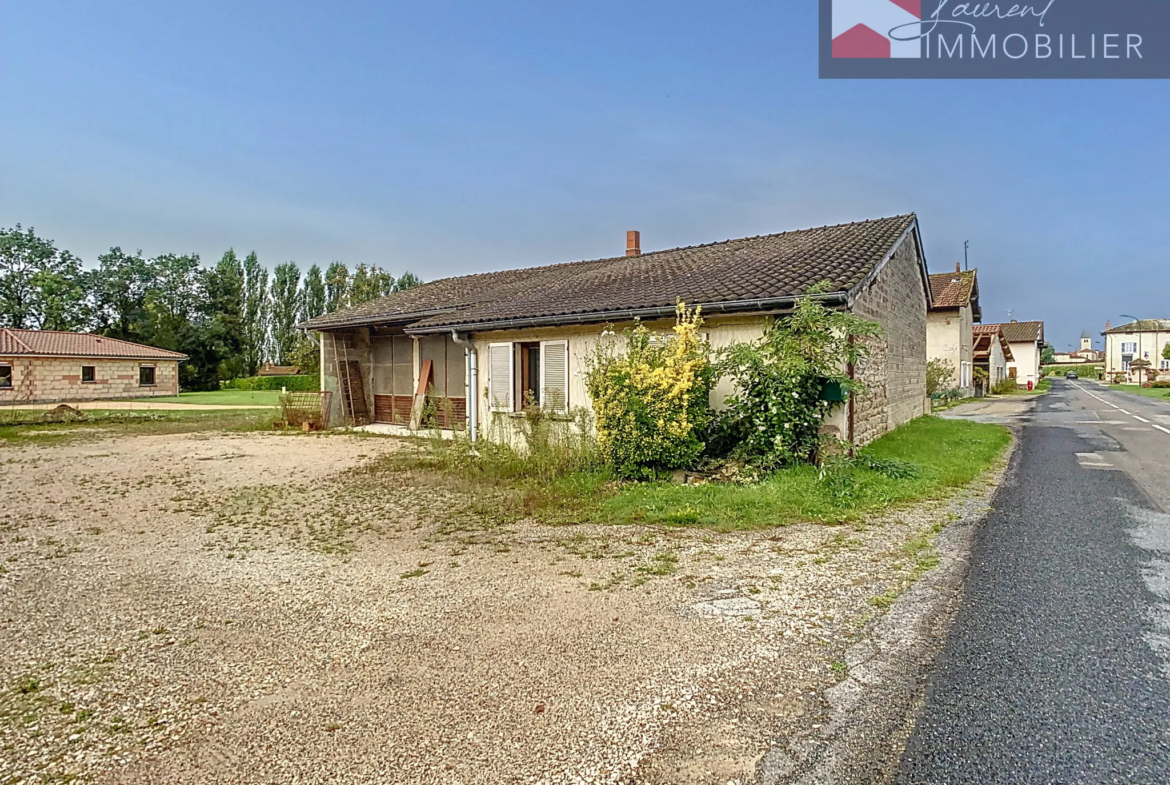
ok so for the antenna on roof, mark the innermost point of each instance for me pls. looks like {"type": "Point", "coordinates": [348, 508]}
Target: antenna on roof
{"type": "Point", "coordinates": [966, 264]}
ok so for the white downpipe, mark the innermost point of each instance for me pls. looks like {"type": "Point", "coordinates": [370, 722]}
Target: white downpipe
{"type": "Point", "coordinates": [472, 376]}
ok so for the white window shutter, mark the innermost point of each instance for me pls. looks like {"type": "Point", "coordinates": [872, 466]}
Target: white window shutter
{"type": "Point", "coordinates": [500, 376]}
{"type": "Point", "coordinates": [554, 375]}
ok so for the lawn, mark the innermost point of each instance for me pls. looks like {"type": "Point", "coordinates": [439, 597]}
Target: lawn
{"type": "Point", "coordinates": [125, 422]}
{"type": "Point", "coordinates": [944, 454]}
{"type": "Point", "coordinates": [222, 398]}
{"type": "Point", "coordinates": [923, 459]}
{"type": "Point", "coordinates": [1161, 393]}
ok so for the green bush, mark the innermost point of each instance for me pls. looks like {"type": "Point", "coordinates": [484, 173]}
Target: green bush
{"type": "Point", "coordinates": [302, 383]}
{"type": "Point", "coordinates": [652, 401]}
{"type": "Point", "coordinates": [1005, 386]}
{"type": "Point", "coordinates": [775, 416]}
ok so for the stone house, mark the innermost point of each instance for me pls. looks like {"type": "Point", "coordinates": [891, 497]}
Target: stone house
{"type": "Point", "coordinates": [46, 366]}
{"type": "Point", "coordinates": [993, 352]}
{"type": "Point", "coordinates": [950, 322]}
{"type": "Point", "coordinates": [1142, 340]}
{"type": "Point", "coordinates": [1026, 340]}
{"type": "Point", "coordinates": [482, 345]}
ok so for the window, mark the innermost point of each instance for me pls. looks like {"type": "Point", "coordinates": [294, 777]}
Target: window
{"type": "Point", "coordinates": [5, 376]}
{"type": "Point", "coordinates": [1128, 348]}
{"type": "Point", "coordinates": [146, 376]}
{"type": "Point", "coordinates": [88, 376]}
{"type": "Point", "coordinates": [1166, 365]}
{"type": "Point", "coordinates": [529, 372]}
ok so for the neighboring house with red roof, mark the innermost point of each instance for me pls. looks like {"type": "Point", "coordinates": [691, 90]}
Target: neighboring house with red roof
{"type": "Point", "coordinates": [38, 366]}
{"type": "Point", "coordinates": [993, 352]}
{"type": "Point", "coordinates": [483, 343]}
{"type": "Point", "coordinates": [1027, 347]}
{"type": "Point", "coordinates": [955, 311]}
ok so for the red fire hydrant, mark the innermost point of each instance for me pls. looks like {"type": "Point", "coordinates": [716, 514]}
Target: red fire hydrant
{"type": "Point", "coordinates": [1030, 385]}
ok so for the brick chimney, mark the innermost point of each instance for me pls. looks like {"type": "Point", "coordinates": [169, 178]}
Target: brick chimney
{"type": "Point", "coordinates": [958, 269]}
{"type": "Point", "coordinates": [1108, 327]}
{"type": "Point", "coordinates": [633, 243]}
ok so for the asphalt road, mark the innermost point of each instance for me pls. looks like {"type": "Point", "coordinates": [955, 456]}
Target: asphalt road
{"type": "Point", "coordinates": [1057, 668]}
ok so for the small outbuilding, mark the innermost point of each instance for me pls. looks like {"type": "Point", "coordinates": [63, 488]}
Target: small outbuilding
{"type": "Point", "coordinates": [47, 366]}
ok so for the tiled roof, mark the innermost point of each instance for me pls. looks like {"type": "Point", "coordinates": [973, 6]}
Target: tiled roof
{"type": "Point", "coordinates": [61, 344]}
{"type": "Point", "coordinates": [982, 352]}
{"type": "Point", "coordinates": [1023, 332]}
{"type": "Point", "coordinates": [735, 274]}
{"type": "Point", "coordinates": [1144, 326]}
{"type": "Point", "coordinates": [953, 290]}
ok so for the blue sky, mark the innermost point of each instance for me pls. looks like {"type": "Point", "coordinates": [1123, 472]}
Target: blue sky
{"type": "Point", "coordinates": [452, 137]}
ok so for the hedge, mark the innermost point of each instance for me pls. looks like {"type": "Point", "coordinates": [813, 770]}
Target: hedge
{"type": "Point", "coordinates": [302, 383]}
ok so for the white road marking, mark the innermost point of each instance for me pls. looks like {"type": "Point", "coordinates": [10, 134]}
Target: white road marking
{"type": "Point", "coordinates": [1092, 460]}
{"type": "Point", "coordinates": [1118, 408]}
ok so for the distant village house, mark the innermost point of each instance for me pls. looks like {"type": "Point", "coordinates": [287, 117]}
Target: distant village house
{"type": "Point", "coordinates": [45, 366]}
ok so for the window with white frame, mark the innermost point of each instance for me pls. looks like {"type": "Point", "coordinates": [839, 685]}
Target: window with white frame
{"type": "Point", "coordinates": [5, 376]}
{"type": "Point", "coordinates": [528, 373]}
{"type": "Point", "coordinates": [1128, 348]}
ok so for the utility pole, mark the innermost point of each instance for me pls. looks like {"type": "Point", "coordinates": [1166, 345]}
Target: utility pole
{"type": "Point", "coordinates": [966, 264]}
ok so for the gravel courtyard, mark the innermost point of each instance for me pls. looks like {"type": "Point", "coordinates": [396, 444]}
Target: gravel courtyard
{"type": "Point", "coordinates": [259, 608]}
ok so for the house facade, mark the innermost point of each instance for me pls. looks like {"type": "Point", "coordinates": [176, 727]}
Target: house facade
{"type": "Point", "coordinates": [1144, 340]}
{"type": "Point", "coordinates": [950, 323]}
{"type": "Point", "coordinates": [1026, 340]}
{"type": "Point", "coordinates": [993, 352]}
{"type": "Point", "coordinates": [46, 366]}
{"type": "Point", "coordinates": [471, 352]}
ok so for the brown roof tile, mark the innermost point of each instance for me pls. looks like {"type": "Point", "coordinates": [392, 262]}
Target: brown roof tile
{"type": "Point", "coordinates": [953, 290]}
{"type": "Point", "coordinates": [61, 344]}
{"type": "Point", "coordinates": [1023, 332]}
{"type": "Point", "coordinates": [746, 271]}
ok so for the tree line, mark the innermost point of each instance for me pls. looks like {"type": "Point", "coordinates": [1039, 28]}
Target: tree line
{"type": "Point", "coordinates": [228, 318]}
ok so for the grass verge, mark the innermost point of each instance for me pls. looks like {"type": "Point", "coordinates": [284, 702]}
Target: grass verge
{"type": "Point", "coordinates": [937, 456]}
{"type": "Point", "coordinates": [1158, 393]}
{"type": "Point", "coordinates": [117, 422]}
{"type": "Point", "coordinates": [221, 398]}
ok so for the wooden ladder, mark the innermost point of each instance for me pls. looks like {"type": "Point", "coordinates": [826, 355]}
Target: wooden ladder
{"type": "Point", "coordinates": [349, 380]}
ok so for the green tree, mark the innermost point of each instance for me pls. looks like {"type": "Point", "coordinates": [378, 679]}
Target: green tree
{"type": "Point", "coordinates": [40, 286]}
{"type": "Point", "coordinates": [225, 299]}
{"type": "Point", "coordinates": [314, 298]}
{"type": "Point", "coordinates": [256, 314]}
{"type": "Point", "coordinates": [286, 306]}
{"type": "Point", "coordinates": [407, 280]}
{"type": "Point", "coordinates": [336, 287]}
{"type": "Point", "coordinates": [369, 283]}
{"type": "Point", "coordinates": [119, 290]}
{"type": "Point", "coordinates": [1047, 355]}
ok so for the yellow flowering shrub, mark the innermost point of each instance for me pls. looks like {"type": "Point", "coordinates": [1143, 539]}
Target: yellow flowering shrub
{"type": "Point", "coordinates": [651, 401]}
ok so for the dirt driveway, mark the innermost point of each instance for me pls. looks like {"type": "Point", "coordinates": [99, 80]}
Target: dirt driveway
{"type": "Point", "coordinates": [256, 608]}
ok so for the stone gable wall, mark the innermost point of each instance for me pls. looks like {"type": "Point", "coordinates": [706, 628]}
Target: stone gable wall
{"type": "Point", "coordinates": [896, 370]}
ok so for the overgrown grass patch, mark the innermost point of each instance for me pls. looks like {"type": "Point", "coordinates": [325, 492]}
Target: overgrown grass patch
{"type": "Point", "coordinates": [923, 459]}
{"type": "Point", "coordinates": [27, 426]}
{"type": "Point", "coordinates": [945, 454]}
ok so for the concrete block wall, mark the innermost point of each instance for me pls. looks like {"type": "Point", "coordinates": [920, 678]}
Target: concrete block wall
{"type": "Point", "coordinates": [896, 370]}
{"type": "Point", "coordinates": [51, 379]}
